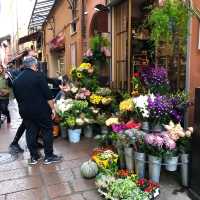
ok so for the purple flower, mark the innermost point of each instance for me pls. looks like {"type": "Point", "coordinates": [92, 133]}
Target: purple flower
{"type": "Point", "coordinates": [155, 76]}
{"type": "Point", "coordinates": [118, 128]}
{"type": "Point", "coordinates": [159, 107]}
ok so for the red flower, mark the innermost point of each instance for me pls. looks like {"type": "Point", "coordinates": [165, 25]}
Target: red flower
{"type": "Point", "coordinates": [136, 74]}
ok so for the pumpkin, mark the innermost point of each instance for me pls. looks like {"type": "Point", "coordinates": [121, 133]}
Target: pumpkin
{"type": "Point", "coordinates": [89, 169]}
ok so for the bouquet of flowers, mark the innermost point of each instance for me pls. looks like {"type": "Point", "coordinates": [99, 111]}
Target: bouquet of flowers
{"type": "Point", "coordinates": [180, 103]}
{"type": "Point", "coordinates": [106, 160]}
{"type": "Point", "coordinates": [82, 94]}
{"type": "Point", "coordinates": [85, 76]}
{"type": "Point", "coordinates": [73, 114]}
{"type": "Point", "coordinates": [156, 80]}
{"type": "Point", "coordinates": [126, 105]}
{"type": "Point", "coordinates": [149, 186]}
{"type": "Point", "coordinates": [141, 107]}
{"type": "Point", "coordinates": [160, 108]}
{"type": "Point", "coordinates": [180, 136]}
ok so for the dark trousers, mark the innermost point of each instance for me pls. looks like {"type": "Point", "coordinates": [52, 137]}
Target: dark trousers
{"type": "Point", "coordinates": [19, 133]}
{"type": "Point", "coordinates": [32, 129]}
{"type": "Point", "coordinates": [4, 108]}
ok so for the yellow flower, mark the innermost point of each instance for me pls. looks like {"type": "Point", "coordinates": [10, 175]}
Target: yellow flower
{"type": "Point", "coordinates": [95, 99]}
{"type": "Point", "coordinates": [79, 75]}
{"type": "Point", "coordinates": [126, 105]}
{"type": "Point", "coordinates": [106, 100]}
{"type": "Point", "coordinates": [111, 121]}
{"type": "Point", "coordinates": [84, 66]}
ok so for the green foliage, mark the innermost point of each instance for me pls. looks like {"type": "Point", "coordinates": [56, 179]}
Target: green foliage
{"type": "Point", "coordinates": [172, 18]}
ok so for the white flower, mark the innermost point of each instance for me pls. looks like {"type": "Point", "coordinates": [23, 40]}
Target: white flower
{"type": "Point", "coordinates": [79, 121]}
{"type": "Point", "coordinates": [74, 89]}
{"type": "Point", "coordinates": [141, 103]}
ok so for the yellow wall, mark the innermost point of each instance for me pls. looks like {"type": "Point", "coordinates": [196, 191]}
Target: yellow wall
{"type": "Point", "coordinates": [62, 18]}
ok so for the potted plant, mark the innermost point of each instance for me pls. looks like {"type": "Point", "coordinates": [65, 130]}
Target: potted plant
{"type": "Point", "coordinates": [140, 157]}
{"type": "Point", "coordinates": [74, 119]}
{"type": "Point", "coordinates": [170, 153]}
{"type": "Point", "coordinates": [142, 112]}
{"type": "Point", "coordinates": [159, 108]}
{"type": "Point", "coordinates": [183, 141]}
{"type": "Point", "coordinates": [154, 143]}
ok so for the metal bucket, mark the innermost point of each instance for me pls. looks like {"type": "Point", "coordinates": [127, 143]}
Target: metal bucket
{"type": "Point", "coordinates": [154, 168]}
{"type": "Point", "coordinates": [184, 169]}
{"type": "Point", "coordinates": [88, 132]}
{"type": "Point", "coordinates": [171, 163]}
{"type": "Point", "coordinates": [129, 158]}
{"type": "Point", "coordinates": [145, 126]}
{"type": "Point", "coordinates": [63, 132]}
{"type": "Point", "coordinates": [120, 151]}
{"type": "Point", "coordinates": [140, 159]}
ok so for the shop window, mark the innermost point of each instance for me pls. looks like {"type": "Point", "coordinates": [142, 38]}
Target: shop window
{"type": "Point", "coordinates": [61, 64]}
{"type": "Point", "coordinates": [73, 27]}
{"type": "Point", "coordinates": [73, 54]}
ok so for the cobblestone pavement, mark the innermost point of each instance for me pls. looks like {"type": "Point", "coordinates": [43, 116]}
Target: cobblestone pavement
{"type": "Point", "coordinates": [61, 181]}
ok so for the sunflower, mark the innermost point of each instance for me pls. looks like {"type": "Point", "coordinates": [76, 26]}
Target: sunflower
{"type": "Point", "coordinates": [79, 75]}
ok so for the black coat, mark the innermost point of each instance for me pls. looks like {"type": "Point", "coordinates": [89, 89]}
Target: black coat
{"type": "Point", "coordinates": [32, 94]}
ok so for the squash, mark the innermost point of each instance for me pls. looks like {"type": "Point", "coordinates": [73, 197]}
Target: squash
{"type": "Point", "coordinates": [89, 169]}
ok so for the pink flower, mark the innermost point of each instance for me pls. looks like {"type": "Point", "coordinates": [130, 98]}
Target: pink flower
{"type": "Point", "coordinates": [89, 53]}
{"type": "Point", "coordinates": [170, 144]}
{"type": "Point", "coordinates": [158, 141]}
{"type": "Point", "coordinates": [149, 138]}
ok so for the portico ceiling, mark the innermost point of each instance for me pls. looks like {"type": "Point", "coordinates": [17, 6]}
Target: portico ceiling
{"type": "Point", "coordinates": [40, 12]}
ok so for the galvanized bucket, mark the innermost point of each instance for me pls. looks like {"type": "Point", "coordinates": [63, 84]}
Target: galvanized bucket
{"type": "Point", "coordinates": [140, 159]}
{"type": "Point", "coordinates": [129, 158]}
{"type": "Point", "coordinates": [154, 168]}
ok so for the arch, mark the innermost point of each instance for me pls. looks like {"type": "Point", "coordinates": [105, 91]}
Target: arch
{"type": "Point", "coordinates": [99, 22]}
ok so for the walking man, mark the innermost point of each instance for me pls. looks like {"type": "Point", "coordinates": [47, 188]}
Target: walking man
{"type": "Point", "coordinates": [36, 108]}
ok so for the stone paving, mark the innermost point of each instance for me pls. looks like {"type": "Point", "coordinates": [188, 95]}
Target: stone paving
{"type": "Point", "coordinates": [62, 181]}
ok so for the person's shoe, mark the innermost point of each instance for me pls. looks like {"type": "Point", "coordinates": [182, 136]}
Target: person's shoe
{"type": "Point", "coordinates": [34, 161]}
{"type": "Point", "coordinates": [52, 159]}
{"type": "Point", "coordinates": [16, 148]}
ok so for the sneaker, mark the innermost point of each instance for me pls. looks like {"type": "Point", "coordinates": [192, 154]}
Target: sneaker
{"type": "Point", "coordinates": [52, 159]}
{"type": "Point", "coordinates": [16, 148]}
{"type": "Point", "coordinates": [34, 161]}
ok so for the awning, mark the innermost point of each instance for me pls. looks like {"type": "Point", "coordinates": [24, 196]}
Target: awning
{"type": "Point", "coordinates": [114, 2]}
{"type": "Point", "coordinates": [40, 12]}
{"type": "Point", "coordinates": [58, 42]}
{"type": "Point", "coordinates": [30, 37]}
{"type": "Point", "coordinates": [7, 37]}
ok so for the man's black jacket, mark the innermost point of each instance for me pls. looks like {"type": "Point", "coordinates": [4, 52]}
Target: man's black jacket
{"type": "Point", "coordinates": [32, 93]}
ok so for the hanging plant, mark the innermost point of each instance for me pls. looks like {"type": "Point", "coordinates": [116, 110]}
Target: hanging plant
{"type": "Point", "coordinates": [169, 20]}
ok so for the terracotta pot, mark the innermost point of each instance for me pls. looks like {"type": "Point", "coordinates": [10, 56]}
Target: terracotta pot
{"type": "Point", "coordinates": [56, 130]}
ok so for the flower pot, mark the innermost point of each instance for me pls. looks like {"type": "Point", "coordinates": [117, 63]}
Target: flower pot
{"type": "Point", "coordinates": [63, 132]}
{"type": "Point", "coordinates": [104, 129]}
{"type": "Point", "coordinates": [145, 126]}
{"type": "Point", "coordinates": [129, 158]}
{"type": "Point", "coordinates": [56, 130]}
{"type": "Point", "coordinates": [171, 163]}
{"type": "Point", "coordinates": [184, 169]}
{"type": "Point", "coordinates": [88, 132]}
{"type": "Point", "coordinates": [154, 168]}
{"type": "Point", "coordinates": [120, 151]}
{"type": "Point", "coordinates": [140, 159]}
{"type": "Point", "coordinates": [74, 135]}
{"type": "Point", "coordinates": [156, 128]}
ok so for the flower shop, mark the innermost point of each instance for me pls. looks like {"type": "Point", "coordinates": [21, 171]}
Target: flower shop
{"type": "Point", "coordinates": [138, 133]}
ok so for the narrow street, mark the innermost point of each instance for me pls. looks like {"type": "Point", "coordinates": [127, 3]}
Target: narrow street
{"type": "Point", "coordinates": [62, 181]}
